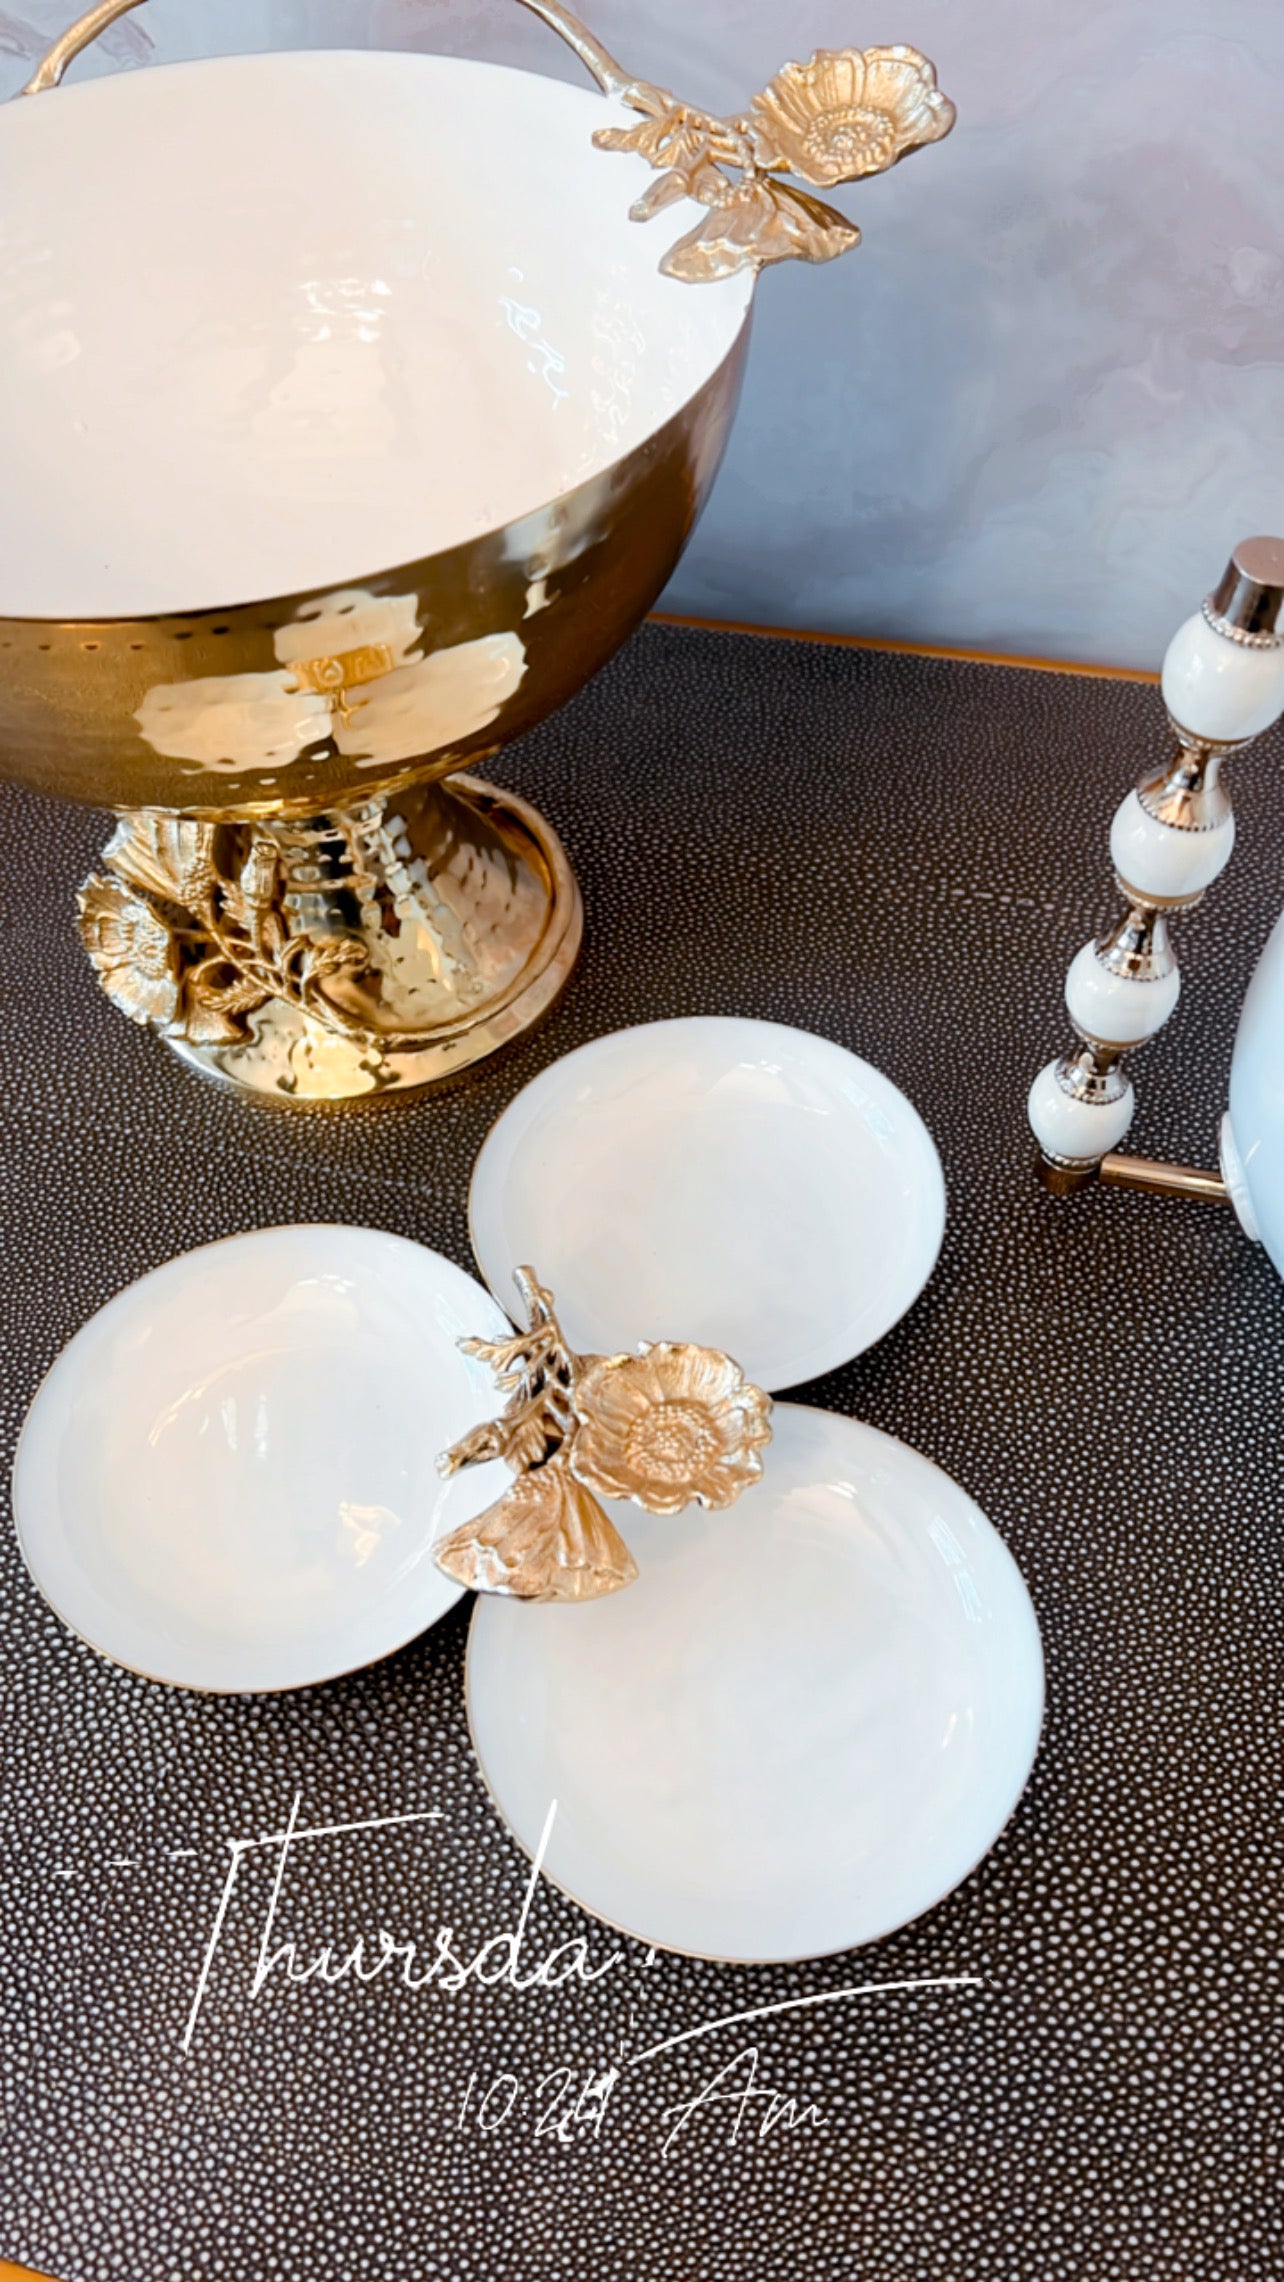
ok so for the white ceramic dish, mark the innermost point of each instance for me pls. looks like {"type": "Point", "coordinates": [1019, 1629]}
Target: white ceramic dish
{"type": "Point", "coordinates": [732, 1182]}
{"type": "Point", "coordinates": [1252, 1138]}
{"type": "Point", "coordinates": [228, 1479]}
{"type": "Point", "coordinates": [411, 311]}
{"type": "Point", "coordinates": [805, 1723]}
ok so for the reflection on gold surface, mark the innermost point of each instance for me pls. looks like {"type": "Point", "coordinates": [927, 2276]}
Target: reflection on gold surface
{"type": "Point", "coordinates": [227, 715]}
{"type": "Point", "coordinates": [353, 674]}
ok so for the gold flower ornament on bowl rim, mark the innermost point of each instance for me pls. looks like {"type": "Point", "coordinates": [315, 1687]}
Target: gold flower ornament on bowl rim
{"type": "Point", "coordinates": [848, 113]}
{"type": "Point", "coordinates": [665, 1427]}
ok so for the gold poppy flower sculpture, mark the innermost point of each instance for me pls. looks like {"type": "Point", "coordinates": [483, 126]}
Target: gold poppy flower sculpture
{"type": "Point", "coordinates": [848, 113]}
{"type": "Point", "coordinates": [187, 932]}
{"type": "Point", "coordinates": [663, 1427]}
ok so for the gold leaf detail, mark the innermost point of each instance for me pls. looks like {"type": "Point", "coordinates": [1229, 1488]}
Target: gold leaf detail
{"type": "Point", "coordinates": [673, 134]}
{"type": "Point", "coordinates": [165, 856]}
{"type": "Point", "coordinates": [757, 222]}
{"type": "Point", "coordinates": [476, 1448]}
{"type": "Point", "coordinates": [535, 1369]}
{"type": "Point", "coordinates": [664, 191]}
{"type": "Point", "coordinates": [240, 995]}
{"type": "Point", "coordinates": [205, 1024]}
{"type": "Point", "coordinates": [546, 1539]}
{"type": "Point", "coordinates": [528, 1442]}
{"type": "Point", "coordinates": [335, 955]}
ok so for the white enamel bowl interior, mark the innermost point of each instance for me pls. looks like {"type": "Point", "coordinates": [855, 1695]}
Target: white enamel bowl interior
{"type": "Point", "coordinates": [737, 1183]}
{"type": "Point", "coordinates": [802, 1726]}
{"type": "Point", "coordinates": [272, 322]}
{"type": "Point", "coordinates": [227, 1480]}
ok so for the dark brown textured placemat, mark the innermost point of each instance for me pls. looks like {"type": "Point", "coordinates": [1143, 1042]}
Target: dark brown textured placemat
{"type": "Point", "coordinates": [902, 853]}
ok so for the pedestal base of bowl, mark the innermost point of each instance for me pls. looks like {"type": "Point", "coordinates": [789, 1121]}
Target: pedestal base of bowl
{"type": "Point", "coordinates": [369, 950]}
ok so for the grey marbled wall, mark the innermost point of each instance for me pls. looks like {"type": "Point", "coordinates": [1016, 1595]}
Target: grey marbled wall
{"type": "Point", "coordinates": [1038, 404]}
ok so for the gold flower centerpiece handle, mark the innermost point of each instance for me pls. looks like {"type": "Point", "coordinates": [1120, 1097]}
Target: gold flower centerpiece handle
{"type": "Point", "coordinates": [662, 1427]}
{"type": "Point", "coordinates": [848, 113]}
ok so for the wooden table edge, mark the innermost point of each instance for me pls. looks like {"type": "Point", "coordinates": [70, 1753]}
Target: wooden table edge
{"type": "Point", "coordinates": [907, 649]}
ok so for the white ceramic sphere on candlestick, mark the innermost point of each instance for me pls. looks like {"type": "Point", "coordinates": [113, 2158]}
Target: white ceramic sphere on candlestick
{"type": "Point", "coordinates": [1072, 1129]}
{"type": "Point", "coordinates": [1120, 1010]}
{"type": "Point", "coordinates": [1218, 689]}
{"type": "Point", "coordinates": [1161, 862]}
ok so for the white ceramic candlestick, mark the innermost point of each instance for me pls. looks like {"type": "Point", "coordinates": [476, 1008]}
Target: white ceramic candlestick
{"type": "Point", "coordinates": [1223, 684]}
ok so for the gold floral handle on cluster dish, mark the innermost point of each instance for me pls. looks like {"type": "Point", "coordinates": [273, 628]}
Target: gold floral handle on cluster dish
{"type": "Point", "coordinates": [661, 1427]}
{"type": "Point", "coordinates": [848, 113]}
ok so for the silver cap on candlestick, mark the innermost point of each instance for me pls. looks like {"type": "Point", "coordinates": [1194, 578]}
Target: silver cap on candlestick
{"type": "Point", "coordinates": [1247, 603]}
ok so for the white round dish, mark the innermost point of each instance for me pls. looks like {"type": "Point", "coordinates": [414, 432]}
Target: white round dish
{"type": "Point", "coordinates": [273, 377]}
{"type": "Point", "coordinates": [803, 1725]}
{"type": "Point", "coordinates": [1252, 1138]}
{"type": "Point", "coordinates": [227, 1480]}
{"type": "Point", "coordinates": [734, 1183]}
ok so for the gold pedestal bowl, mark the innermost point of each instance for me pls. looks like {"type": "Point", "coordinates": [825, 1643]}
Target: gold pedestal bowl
{"type": "Point", "coordinates": [276, 323]}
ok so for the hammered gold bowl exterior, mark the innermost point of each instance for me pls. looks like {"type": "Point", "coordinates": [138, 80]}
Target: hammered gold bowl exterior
{"type": "Point", "coordinates": [566, 584]}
